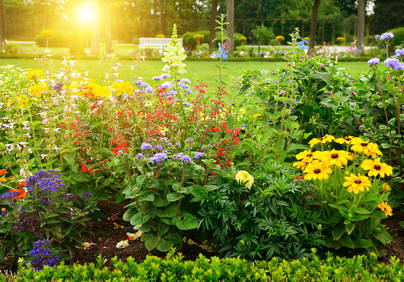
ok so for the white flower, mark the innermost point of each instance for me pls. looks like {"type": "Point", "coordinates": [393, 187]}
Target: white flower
{"type": "Point", "coordinates": [134, 236]}
{"type": "Point", "coordinates": [122, 244]}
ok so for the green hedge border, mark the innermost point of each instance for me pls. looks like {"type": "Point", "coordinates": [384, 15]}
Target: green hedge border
{"type": "Point", "coordinates": [198, 59]}
{"type": "Point", "coordinates": [173, 268]}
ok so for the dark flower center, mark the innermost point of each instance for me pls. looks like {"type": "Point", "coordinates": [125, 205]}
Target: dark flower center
{"type": "Point", "coordinates": [334, 156]}
{"type": "Point", "coordinates": [309, 155]}
{"type": "Point", "coordinates": [377, 167]}
{"type": "Point", "coordinates": [317, 170]}
{"type": "Point", "coordinates": [348, 139]}
{"type": "Point", "coordinates": [357, 181]}
{"type": "Point", "coordinates": [364, 144]}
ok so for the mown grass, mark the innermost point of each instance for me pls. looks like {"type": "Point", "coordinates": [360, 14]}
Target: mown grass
{"type": "Point", "coordinates": [206, 72]}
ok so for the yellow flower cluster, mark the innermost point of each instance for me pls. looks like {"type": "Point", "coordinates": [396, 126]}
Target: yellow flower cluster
{"type": "Point", "coordinates": [198, 36]}
{"type": "Point", "coordinates": [122, 87]}
{"type": "Point", "coordinates": [35, 74]}
{"type": "Point", "coordinates": [318, 165]}
{"type": "Point", "coordinates": [20, 100]}
{"type": "Point", "coordinates": [243, 177]}
{"type": "Point", "coordinates": [340, 38]}
{"type": "Point", "coordinates": [38, 90]}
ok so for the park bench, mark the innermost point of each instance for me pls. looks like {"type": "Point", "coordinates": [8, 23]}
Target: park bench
{"type": "Point", "coordinates": [151, 42]}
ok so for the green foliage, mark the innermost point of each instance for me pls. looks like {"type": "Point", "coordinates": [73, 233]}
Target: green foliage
{"type": "Point", "coordinates": [398, 38]}
{"type": "Point", "coordinates": [74, 40]}
{"type": "Point", "coordinates": [189, 38]}
{"type": "Point", "coordinates": [263, 35]}
{"type": "Point", "coordinates": [272, 218]}
{"type": "Point", "coordinates": [173, 268]}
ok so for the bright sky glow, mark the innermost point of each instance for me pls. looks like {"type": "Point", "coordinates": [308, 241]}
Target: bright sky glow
{"type": "Point", "coordinates": [86, 14]}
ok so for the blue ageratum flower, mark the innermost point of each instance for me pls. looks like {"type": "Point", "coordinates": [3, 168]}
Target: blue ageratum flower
{"type": "Point", "coordinates": [41, 256]}
{"type": "Point", "coordinates": [185, 80]}
{"type": "Point", "coordinates": [374, 61]}
{"type": "Point", "coordinates": [198, 155]}
{"type": "Point", "coordinates": [145, 146]}
{"type": "Point", "coordinates": [302, 44]}
{"type": "Point", "coordinates": [386, 35]}
{"type": "Point", "coordinates": [221, 52]}
{"type": "Point", "coordinates": [158, 158]}
{"type": "Point", "coordinates": [399, 53]}
{"type": "Point", "coordinates": [186, 159]}
{"type": "Point", "coordinates": [391, 62]}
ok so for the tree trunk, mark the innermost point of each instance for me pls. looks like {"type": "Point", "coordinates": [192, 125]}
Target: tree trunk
{"type": "Point", "coordinates": [107, 25]}
{"type": "Point", "coordinates": [361, 27]}
{"type": "Point", "coordinates": [2, 26]}
{"type": "Point", "coordinates": [213, 17]}
{"type": "Point", "coordinates": [313, 25]}
{"type": "Point", "coordinates": [230, 27]}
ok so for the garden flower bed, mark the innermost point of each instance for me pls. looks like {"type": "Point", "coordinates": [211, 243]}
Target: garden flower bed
{"type": "Point", "coordinates": [309, 158]}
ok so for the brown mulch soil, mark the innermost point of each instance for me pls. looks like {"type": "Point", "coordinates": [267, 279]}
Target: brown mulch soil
{"type": "Point", "coordinates": [395, 248]}
{"type": "Point", "coordinates": [107, 232]}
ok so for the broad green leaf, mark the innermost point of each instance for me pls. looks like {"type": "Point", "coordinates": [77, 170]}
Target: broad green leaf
{"type": "Point", "coordinates": [139, 218]}
{"type": "Point", "coordinates": [150, 241]}
{"type": "Point", "coordinates": [349, 227]}
{"type": "Point", "coordinates": [147, 197]}
{"type": "Point", "coordinates": [186, 221]}
{"type": "Point", "coordinates": [337, 232]}
{"type": "Point", "coordinates": [172, 197]}
{"type": "Point", "coordinates": [164, 245]}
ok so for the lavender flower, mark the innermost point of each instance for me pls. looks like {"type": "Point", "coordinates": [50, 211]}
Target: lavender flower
{"type": "Point", "coordinates": [399, 66]}
{"type": "Point", "coordinates": [178, 156]}
{"type": "Point", "coordinates": [145, 146]}
{"type": "Point", "coordinates": [4, 211]}
{"type": "Point", "coordinates": [140, 156]}
{"type": "Point", "coordinates": [187, 104]}
{"type": "Point", "coordinates": [386, 35]}
{"type": "Point", "coordinates": [165, 75]}
{"type": "Point", "coordinates": [198, 155]}
{"type": "Point", "coordinates": [58, 86]}
{"type": "Point", "coordinates": [138, 82]}
{"type": "Point", "coordinates": [68, 196]}
{"type": "Point", "coordinates": [45, 201]}
{"type": "Point", "coordinates": [158, 158]}
{"type": "Point", "coordinates": [190, 140]}
{"type": "Point", "coordinates": [374, 61]}
{"type": "Point", "coordinates": [172, 93]}
{"type": "Point", "coordinates": [157, 78]}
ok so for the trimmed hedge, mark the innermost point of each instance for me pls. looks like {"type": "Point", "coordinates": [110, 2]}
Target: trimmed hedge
{"type": "Point", "coordinates": [173, 268]}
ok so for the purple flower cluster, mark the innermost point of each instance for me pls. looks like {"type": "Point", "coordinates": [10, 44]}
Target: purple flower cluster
{"type": "Point", "coordinates": [394, 64]}
{"type": "Point", "coordinates": [198, 156]}
{"type": "Point", "coordinates": [41, 256]}
{"type": "Point", "coordinates": [145, 146]}
{"type": "Point", "coordinates": [158, 158]}
{"type": "Point", "coordinates": [399, 53]}
{"type": "Point", "coordinates": [42, 181]}
{"type": "Point", "coordinates": [69, 196]}
{"type": "Point", "coordinates": [86, 195]}
{"type": "Point", "coordinates": [185, 158]}
{"type": "Point", "coordinates": [140, 156]}
{"type": "Point", "coordinates": [58, 86]}
{"type": "Point", "coordinates": [374, 61]}
{"type": "Point", "coordinates": [9, 195]}
{"type": "Point", "coordinates": [384, 36]}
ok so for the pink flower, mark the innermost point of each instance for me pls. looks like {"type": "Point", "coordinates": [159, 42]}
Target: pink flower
{"type": "Point", "coordinates": [354, 93]}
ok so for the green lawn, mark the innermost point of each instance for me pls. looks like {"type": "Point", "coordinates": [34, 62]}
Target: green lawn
{"type": "Point", "coordinates": [196, 71]}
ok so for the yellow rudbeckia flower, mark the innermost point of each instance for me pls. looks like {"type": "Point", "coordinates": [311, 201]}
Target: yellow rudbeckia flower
{"type": "Point", "coordinates": [357, 183]}
{"type": "Point", "coordinates": [376, 168]}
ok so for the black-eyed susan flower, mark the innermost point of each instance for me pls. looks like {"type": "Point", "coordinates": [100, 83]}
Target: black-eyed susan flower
{"type": "Point", "coordinates": [338, 158]}
{"type": "Point", "coordinates": [385, 207]}
{"type": "Point", "coordinates": [322, 140]}
{"type": "Point", "coordinates": [376, 168]}
{"type": "Point", "coordinates": [305, 155]}
{"type": "Point", "coordinates": [357, 183]}
{"type": "Point", "coordinates": [345, 140]}
{"type": "Point", "coordinates": [365, 147]}
{"type": "Point", "coordinates": [317, 170]}
{"type": "Point", "coordinates": [300, 164]}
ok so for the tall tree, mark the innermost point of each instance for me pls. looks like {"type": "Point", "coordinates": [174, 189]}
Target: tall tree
{"type": "Point", "coordinates": [95, 42]}
{"type": "Point", "coordinates": [212, 27]}
{"type": "Point", "coordinates": [230, 26]}
{"type": "Point", "coordinates": [361, 26]}
{"type": "Point", "coordinates": [313, 25]}
{"type": "Point", "coordinates": [107, 27]}
{"type": "Point", "coordinates": [2, 26]}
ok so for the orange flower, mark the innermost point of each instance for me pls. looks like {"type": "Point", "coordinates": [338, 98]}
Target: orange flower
{"type": "Point", "coordinates": [3, 172]}
{"type": "Point", "coordinates": [20, 195]}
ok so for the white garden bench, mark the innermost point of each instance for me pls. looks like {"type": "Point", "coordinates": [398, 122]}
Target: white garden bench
{"type": "Point", "coordinates": [151, 42]}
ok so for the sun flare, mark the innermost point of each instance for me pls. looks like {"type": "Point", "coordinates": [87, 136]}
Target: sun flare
{"type": "Point", "coordinates": [86, 14]}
